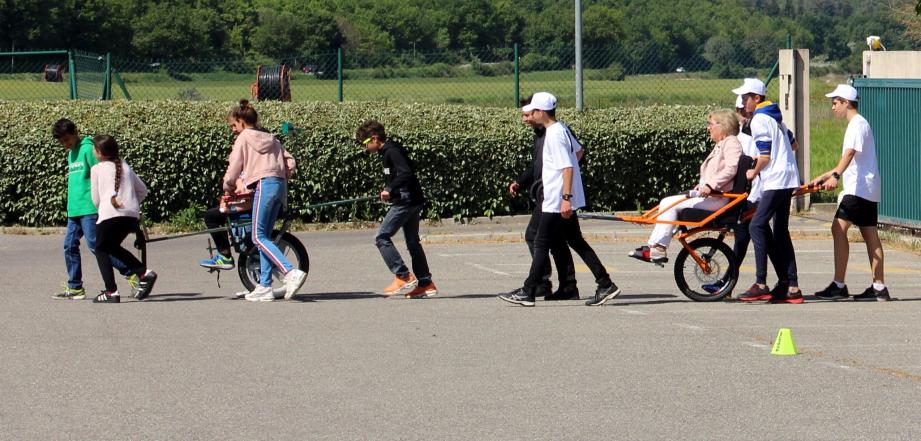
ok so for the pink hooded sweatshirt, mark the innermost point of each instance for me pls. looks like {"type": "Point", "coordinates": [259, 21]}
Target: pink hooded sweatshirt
{"type": "Point", "coordinates": [256, 155]}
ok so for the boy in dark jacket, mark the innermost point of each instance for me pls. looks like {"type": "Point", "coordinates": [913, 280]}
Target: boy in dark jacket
{"type": "Point", "coordinates": [402, 188]}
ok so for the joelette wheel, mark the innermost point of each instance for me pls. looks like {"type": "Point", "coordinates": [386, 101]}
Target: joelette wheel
{"type": "Point", "coordinates": [248, 263]}
{"type": "Point", "coordinates": [691, 277]}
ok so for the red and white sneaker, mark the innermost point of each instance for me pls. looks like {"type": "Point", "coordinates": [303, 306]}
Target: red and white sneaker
{"type": "Point", "coordinates": [649, 254]}
{"type": "Point", "coordinates": [756, 294]}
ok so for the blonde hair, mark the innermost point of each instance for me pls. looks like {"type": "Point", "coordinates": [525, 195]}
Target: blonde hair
{"type": "Point", "coordinates": [727, 120]}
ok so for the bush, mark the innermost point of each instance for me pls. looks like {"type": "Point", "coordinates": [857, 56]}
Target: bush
{"type": "Point", "coordinates": [492, 69]}
{"type": "Point", "coordinates": [614, 72]}
{"type": "Point", "coordinates": [535, 62]}
{"type": "Point", "coordinates": [466, 155]}
{"type": "Point", "coordinates": [190, 94]}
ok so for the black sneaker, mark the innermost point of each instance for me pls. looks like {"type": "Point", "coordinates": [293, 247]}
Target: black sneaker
{"type": "Point", "coordinates": [603, 294]}
{"type": "Point", "coordinates": [832, 292]}
{"type": "Point", "coordinates": [519, 296]}
{"type": "Point", "coordinates": [567, 293]}
{"type": "Point", "coordinates": [780, 288]}
{"type": "Point", "coordinates": [146, 285]}
{"type": "Point", "coordinates": [108, 297]}
{"type": "Point", "coordinates": [872, 295]}
{"type": "Point", "coordinates": [795, 298]}
{"type": "Point", "coordinates": [543, 290]}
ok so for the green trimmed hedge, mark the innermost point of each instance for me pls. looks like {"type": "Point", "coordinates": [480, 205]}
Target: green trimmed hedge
{"type": "Point", "coordinates": [466, 155]}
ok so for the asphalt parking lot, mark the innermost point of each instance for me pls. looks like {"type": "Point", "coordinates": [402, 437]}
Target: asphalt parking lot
{"type": "Point", "coordinates": [344, 362]}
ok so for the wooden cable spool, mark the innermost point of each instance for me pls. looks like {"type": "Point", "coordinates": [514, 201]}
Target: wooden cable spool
{"type": "Point", "coordinates": [272, 83]}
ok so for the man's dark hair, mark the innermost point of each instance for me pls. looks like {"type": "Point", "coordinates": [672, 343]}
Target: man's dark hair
{"type": "Point", "coordinates": [63, 127]}
{"type": "Point", "coordinates": [370, 128]}
{"type": "Point", "coordinates": [551, 112]}
{"type": "Point", "coordinates": [526, 100]}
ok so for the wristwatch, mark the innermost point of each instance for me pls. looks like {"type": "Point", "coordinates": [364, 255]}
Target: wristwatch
{"type": "Point", "coordinates": [835, 175]}
{"type": "Point", "coordinates": [567, 197]}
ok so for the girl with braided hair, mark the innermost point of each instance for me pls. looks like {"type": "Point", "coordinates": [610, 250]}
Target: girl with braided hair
{"type": "Point", "coordinates": [117, 193]}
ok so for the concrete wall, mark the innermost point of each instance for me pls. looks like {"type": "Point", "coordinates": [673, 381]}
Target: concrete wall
{"type": "Point", "coordinates": [892, 64]}
{"type": "Point", "coordinates": [794, 105]}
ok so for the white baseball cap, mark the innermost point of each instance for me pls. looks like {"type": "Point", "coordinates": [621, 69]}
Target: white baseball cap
{"type": "Point", "coordinates": [739, 103]}
{"type": "Point", "coordinates": [843, 91]}
{"type": "Point", "coordinates": [750, 85]}
{"type": "Point", "coordinates": [541, 101]}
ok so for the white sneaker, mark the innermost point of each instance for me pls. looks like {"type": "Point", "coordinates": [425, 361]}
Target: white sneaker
{"type": "Point", "coordinates": [261, 294]}
{"type": "Point", "coordinates": [240, 294]}
{"type": "Point", "coordinates": [293, 282]}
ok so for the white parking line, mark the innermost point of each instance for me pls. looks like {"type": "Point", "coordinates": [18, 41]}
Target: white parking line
{"type": "Point", "coordinates": [691, 327]}
{"type": "Point", "coordinates": [756, 345]}
{"type": "Point", "coordinates": [485, 268]}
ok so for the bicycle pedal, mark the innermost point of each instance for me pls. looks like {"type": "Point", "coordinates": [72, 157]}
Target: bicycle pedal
{"type": "Point", "coordinates": [660, 262]}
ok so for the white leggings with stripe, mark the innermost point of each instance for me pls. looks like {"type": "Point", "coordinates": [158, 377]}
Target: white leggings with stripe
{"type": "Point", "coordinates": [662, 233]}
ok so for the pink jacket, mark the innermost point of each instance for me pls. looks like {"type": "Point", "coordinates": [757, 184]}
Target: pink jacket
{"type": "Point", "coordinates": [257, 155]}
{"type": "Point", "coordinates": [719, 169]}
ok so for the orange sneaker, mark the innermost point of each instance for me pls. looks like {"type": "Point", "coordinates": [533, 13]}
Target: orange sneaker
{"type": "Point", "coordinates": [401, 284]}
{"type": "Point", "coordinates": [422, 291]}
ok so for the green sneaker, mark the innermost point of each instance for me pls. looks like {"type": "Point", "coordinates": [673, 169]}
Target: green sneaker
{"type": "Point", "coordinates": [69, 293]}
{"type": "Point", "coordinates": [134, 282]}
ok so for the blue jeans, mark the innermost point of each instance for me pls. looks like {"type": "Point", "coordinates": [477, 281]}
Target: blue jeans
{"type": "Point", "coordinates": [270, 197]}
{"type": "Point", "coordinates": [77, 227]}
{"type": "Point", "coordinates": [406, 217]}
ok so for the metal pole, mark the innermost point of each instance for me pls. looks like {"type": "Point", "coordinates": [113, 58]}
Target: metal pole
{"type": "Point", "coordinates": [767, 81]}
{"type": "Point", "coordinates": [73, 75]}
{"type": "Point", "coordinates": [517, 78]}
{"type": "Point", "coordinates": [579, 103]}
{"type": "Point", "coordinates": [107, 81]}
{"type": "Point", "coordinates": [340, 74]}
{"type": "Point", "coordinates": [35, 53]}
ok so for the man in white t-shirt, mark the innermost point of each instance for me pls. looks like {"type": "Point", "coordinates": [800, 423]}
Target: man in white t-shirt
{"type": "Point", "coordinates": [742, 236]}
{"type": "Point", "coordinates": [776, 168]}
{"type": "Point", "coordinates": [859, 197]}
{"type": "Point", "coordinates": [563, 195]}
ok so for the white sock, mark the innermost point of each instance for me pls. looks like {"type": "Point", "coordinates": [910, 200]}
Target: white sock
{"type": "Point", "coordinates": [878, 286]}
{"type": "Point", "coordinates": [839, 284]}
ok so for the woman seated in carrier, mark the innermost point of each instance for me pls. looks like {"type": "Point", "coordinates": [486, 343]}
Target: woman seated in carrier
{"type": "Point", "coordinates": [717, 174]}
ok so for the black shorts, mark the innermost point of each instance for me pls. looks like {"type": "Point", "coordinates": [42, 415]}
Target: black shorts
{"type": "Point", "coordinates": [858, 211]}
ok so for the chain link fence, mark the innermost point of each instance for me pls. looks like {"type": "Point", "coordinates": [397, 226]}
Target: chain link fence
{"type": "Point", "coordinates": [613, 76]}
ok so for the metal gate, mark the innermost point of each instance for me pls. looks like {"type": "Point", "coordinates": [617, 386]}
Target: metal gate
{"type": "Point", "coordinates": [893, 109]}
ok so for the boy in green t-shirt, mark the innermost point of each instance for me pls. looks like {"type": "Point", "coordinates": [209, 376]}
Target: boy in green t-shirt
{"type": "Point", "coordinates": [81, 213]}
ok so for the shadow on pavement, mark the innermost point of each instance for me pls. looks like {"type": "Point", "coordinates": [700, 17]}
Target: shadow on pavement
{"type": "Point", "coordinates": [463, 296]}
{"type": "Point", "coordinates": [336, 296]}
{"type": "Point", "coordinates": [179, 297]}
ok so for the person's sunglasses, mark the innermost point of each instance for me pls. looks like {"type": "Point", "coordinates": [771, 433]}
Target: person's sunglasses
{"type": "Point", "coordinates": [367, 140]}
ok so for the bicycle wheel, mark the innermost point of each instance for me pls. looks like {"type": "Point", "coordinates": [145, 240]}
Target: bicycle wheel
{"type": "Point", "coordinates": [690, 277]}
{"type": "Point", "coordinates": [293, 250]}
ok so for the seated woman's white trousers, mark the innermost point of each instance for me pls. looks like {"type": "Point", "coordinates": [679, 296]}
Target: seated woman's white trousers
{"type": "Point", "coordinates": [662, 233]}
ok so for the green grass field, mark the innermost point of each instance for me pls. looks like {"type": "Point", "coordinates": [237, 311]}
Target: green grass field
{"type": "Point", "coordinates": [497, 91]}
